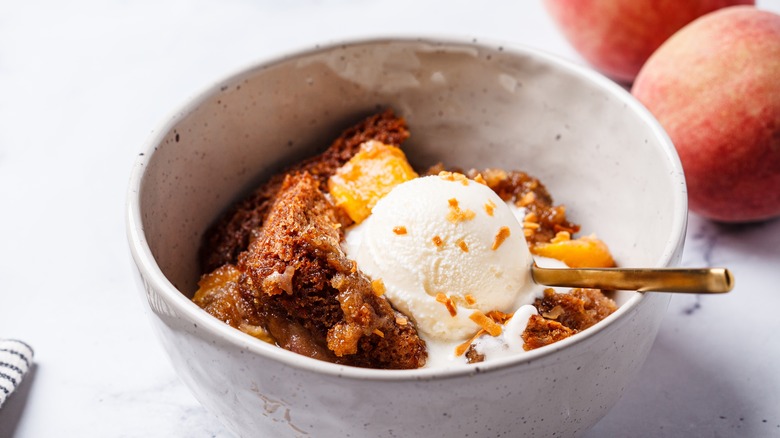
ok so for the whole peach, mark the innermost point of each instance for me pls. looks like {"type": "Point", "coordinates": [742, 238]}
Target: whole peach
{"type": "Point", "coordinates": [617, 36]}
{"type": "Point", "coordinates": [715, 88]}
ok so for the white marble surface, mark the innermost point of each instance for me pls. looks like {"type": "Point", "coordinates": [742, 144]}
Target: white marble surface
{"type": "Point", "coordinates": [81, 87]}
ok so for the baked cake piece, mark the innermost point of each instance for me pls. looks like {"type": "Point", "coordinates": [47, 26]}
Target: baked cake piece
{"type": "Point", "coordinates": [560, 316]}
{"type": "Point", "coordinates": [564, 314]}
{"type": "Point", "coordinates": [578, 309]}
{"type": "Point", "coordinates": [232, 233]}
{"type": "Point", "coordinates": [297, 274]}
{"type": "Point", "coordinates": [541, 331]}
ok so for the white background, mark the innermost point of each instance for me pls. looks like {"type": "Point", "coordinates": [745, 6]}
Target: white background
{"type": "Point", "coordinates": [82, 86]}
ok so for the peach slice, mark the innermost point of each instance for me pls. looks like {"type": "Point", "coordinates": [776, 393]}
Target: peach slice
{"type": "Point", "coordinates": [367, 177]}
{"type": "Point", "coordinates": [584, 252]}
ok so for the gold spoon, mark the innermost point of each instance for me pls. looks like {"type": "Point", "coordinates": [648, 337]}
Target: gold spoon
{"type": "Point", "coordinates": [696, 281]}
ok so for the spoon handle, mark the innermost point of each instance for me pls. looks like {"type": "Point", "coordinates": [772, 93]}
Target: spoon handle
{"type": "Point", "coordinates": [698, 281]}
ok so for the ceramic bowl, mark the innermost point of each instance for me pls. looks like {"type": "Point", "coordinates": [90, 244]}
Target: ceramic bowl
{"type": "Point", "coordinates": [468, 104]}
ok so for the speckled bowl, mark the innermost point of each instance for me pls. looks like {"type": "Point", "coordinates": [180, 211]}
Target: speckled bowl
{"type": "Point", "coordinates": [468, 104]}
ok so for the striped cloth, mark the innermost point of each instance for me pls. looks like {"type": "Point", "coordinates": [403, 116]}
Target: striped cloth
{"type": "Point", "coordinates": [15, 359]}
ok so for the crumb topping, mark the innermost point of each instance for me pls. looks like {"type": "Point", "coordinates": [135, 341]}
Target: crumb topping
{"type": "Point", "coordinates": [378, 286]}
{"type": "Point", "coordinates": [484, 321]}
{"type": "Point", "coordinates": [438, 241]}
{"type": "Point", "coordinates": [444, 299]}
{"type": "Point", "coordinates": [495, 176]}
{"type": "Point", "coordinates": [460, 349]}
{"type": "Point", "coordinates": [456, 215]}
{"type": "Point", "coordinates": [490, 323]}
{"type": "Point", "coordinates": [379, 333]}
{"type": "Point", "coordinates": [499, 317]}
{"type": "Point", "coordinates": [558, 227]}
{"type": "Point", "coordinates": [401, 320]}
{"type": "Point", "coordinates": [561, 236]}
{"type": "Point", "coordinates": [490, 206]}
{"type": "Point", "coordinates": [501, 236]}
{"type": "Point", "coordinates": [400, 230]}
{"type": "Point", "coordinates": [479, 179]}
{"type": "Point", "coordinates": [527, 199]}
{"type": "Point", "coordinates": [462, 245]}
{"type": "Point", "coordinates": [470, 300]}
{"type": "Point", "coordinates": [454, 176]}
{"type": "Point", "coordinates": [446, 175]}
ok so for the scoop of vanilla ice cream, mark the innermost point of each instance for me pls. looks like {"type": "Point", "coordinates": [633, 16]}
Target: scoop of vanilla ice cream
{"type": "Point", "coordinates": [448, 238]}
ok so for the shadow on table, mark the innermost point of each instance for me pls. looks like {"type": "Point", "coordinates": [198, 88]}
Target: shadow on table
{"type": "Point", "coordinates": [678, 393]}
{"type": "Point", "coordinates": [12, 410]}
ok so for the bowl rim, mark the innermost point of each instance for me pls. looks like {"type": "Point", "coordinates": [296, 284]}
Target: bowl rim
{"type": "Point", "coordinates": [185, 308]}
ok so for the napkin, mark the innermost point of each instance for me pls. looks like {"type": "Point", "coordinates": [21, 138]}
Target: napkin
{"type": "Point", "coordinates": [15, 359]}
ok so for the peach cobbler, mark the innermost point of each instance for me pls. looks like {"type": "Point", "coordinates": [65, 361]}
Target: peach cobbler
{"type": "Point", "coordinates": [354, 257]}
